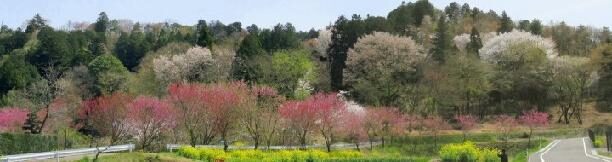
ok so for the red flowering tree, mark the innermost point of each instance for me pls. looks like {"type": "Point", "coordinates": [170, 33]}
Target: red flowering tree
{"type": "Point", "coordinates": [466, 123]}
{"type": "Point", "coordinates": [533, 119]}
{"type": "Point", "coordinates": [106, 116]}
{"type": "Point", "coordinates": [320, 111]}
{"type": "Point", "coordinates": [433, 125]}
{"type": "Point", "coordinates": [192, 114]}
{"type": "Point", "coordinates": [353, 128]}
{"type": "Point", "coordinates": [12, 118]}
{"type": "Point", "coordinates": [260, 114]}
{"type": "Point", "coordinates": [329, 110]}
{"type": "Point", "coordinates": [149, 118]}
{"type": "Point", "coordinates": [384, 122]}
{"type": "Point", "coordinates": [506, 124]}
{"type": "Point", "coordinates": [299, 117]}
{"type": "Point", "coordinates": [224, 102]}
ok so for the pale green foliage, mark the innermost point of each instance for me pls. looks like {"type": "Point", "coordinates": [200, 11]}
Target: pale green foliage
{"type": "Point", "coordinates": [473, 76]}
{"type": "Point", "coordinates": [571, 78]}
{"type": "Point", "coordinates": [109, 72]}
{"type": "Point", "coordinates": [290, 73]}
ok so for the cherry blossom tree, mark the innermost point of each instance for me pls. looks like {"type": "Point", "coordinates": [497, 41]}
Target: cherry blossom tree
{"type": "Point", "coordinates": [383, 122]}
{"type": "Point", "coordinates": [322, 42]}
{"type": "Point", "coordinates": [461, 41]}
{"type": "Point", "coordinates": [300, 118]}
{"type": "Point", "coordinates": [190, 66]}
{"type": "Point", "coordinates": [330, 111]}
{"type": "Point", "coordinates": [12, 118]}
{"type": "Point", "coordinates": [224, 100]}
{"type": "Point", "coordinates": [353, 128]}
{"type": "Point", "coordinates": [320, 111]}
{"type": "Point", "coordinates": [106, 116]}
{"type": "Point", "coordinates": [192, 114]}
{"type": "Point", "coordinates": [376, 62]}
{"type": "Point", "coordinates": [533, 119]}
{"type": "Point", "coordinates": [466, 123]}
{"type": "Point", "coordinates": [494, 49]}
{"type": "Point", "coordinates": [149, 118]}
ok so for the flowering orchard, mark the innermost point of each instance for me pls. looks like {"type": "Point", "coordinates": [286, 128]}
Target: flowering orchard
{"type": "Point", "coordinates": [224, 113]}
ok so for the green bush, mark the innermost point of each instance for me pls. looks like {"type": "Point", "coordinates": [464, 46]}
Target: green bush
{"type": "Point", "coordinates": [11, 143]}
{"type": "Point", "coordinates": [599, 142]}
{"type": "Point", "coordinates": [467, 151]}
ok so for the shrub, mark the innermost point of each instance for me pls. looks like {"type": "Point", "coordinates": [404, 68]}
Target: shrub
{"type": "Point", "coordinates": [467, 151]}
{"type": "Point", "coordinates": [599, 142]}
{"type": "Point", "coordinates": [24, 143]}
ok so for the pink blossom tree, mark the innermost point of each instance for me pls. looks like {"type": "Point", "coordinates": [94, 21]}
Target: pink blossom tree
{"type": "Point", "coordinates": [298, 116]}
{"type": "Point", "coordinates": [320, 111]}
{"type": "Point", "coordinates": [353, 128]}
{"type": "Point", "coordinates": [149, 118]}
{"type": "Point", "coordinates": [533, 119]}
{"type": "Point", "coordinates": [192, 114]}
{"type": "Point", "coordinates": [106, 116]}
{"type": "Point", "coordinates": [330, 110]}
{"type": "Point", "coordinates": [12, 118]}
{"type": "Point", "coordinates": [224, 102]}
{"type": "Point", "coordinates": [466, 123]}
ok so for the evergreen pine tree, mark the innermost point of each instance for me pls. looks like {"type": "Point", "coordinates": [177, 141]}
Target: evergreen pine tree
{"type": "Point", "coordinates": [475, 43]}
{"type": "Point", "coordinates": [536, 27]}
{"type": "Point", "coordinates": [204, 37]}
{"type": "Point", "coordinates": [506, 23]}
{"type": "Point", "coordinates": [102, 23]}
{"type": "Point", "coordinates": [442, 41]}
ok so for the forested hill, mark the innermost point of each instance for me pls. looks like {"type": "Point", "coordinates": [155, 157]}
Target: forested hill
{"type": "Point", "coordinates": [417, 59]}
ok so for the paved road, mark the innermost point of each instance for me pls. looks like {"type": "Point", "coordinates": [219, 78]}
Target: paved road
{"type": "Point", "coordinates": [568, 150]}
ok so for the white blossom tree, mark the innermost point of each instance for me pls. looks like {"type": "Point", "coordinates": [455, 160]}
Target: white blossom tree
{"type": "Point", "coordinates": [461, 41]}
{"type": "Point", "coordinates": [323, 41]}
{"type": "Point", "coordinates": [190, 66]}
{"type": "Point", "coordinates": [500, 48]}
{"type": "Point", "coordinates": [523, 76]}
{"type": "Point", "coordinates": [380, 64]}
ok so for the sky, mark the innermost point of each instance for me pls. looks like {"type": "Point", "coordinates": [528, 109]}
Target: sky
{"type": "Point", "coordinates": [303, 14]}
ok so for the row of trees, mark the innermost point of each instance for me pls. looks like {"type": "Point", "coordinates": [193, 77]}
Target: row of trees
{"type": "Point", "coordinates": [204, 113]}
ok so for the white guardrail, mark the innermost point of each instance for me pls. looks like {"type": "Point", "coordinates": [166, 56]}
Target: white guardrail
{"type": "Point", "coordinates": [64, 153]}
{"type": "Point", "coordinates": [172, 147]}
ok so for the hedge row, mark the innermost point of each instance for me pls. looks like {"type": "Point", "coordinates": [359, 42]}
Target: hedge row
{"type": "Point", "coordinates": [26, 143]}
